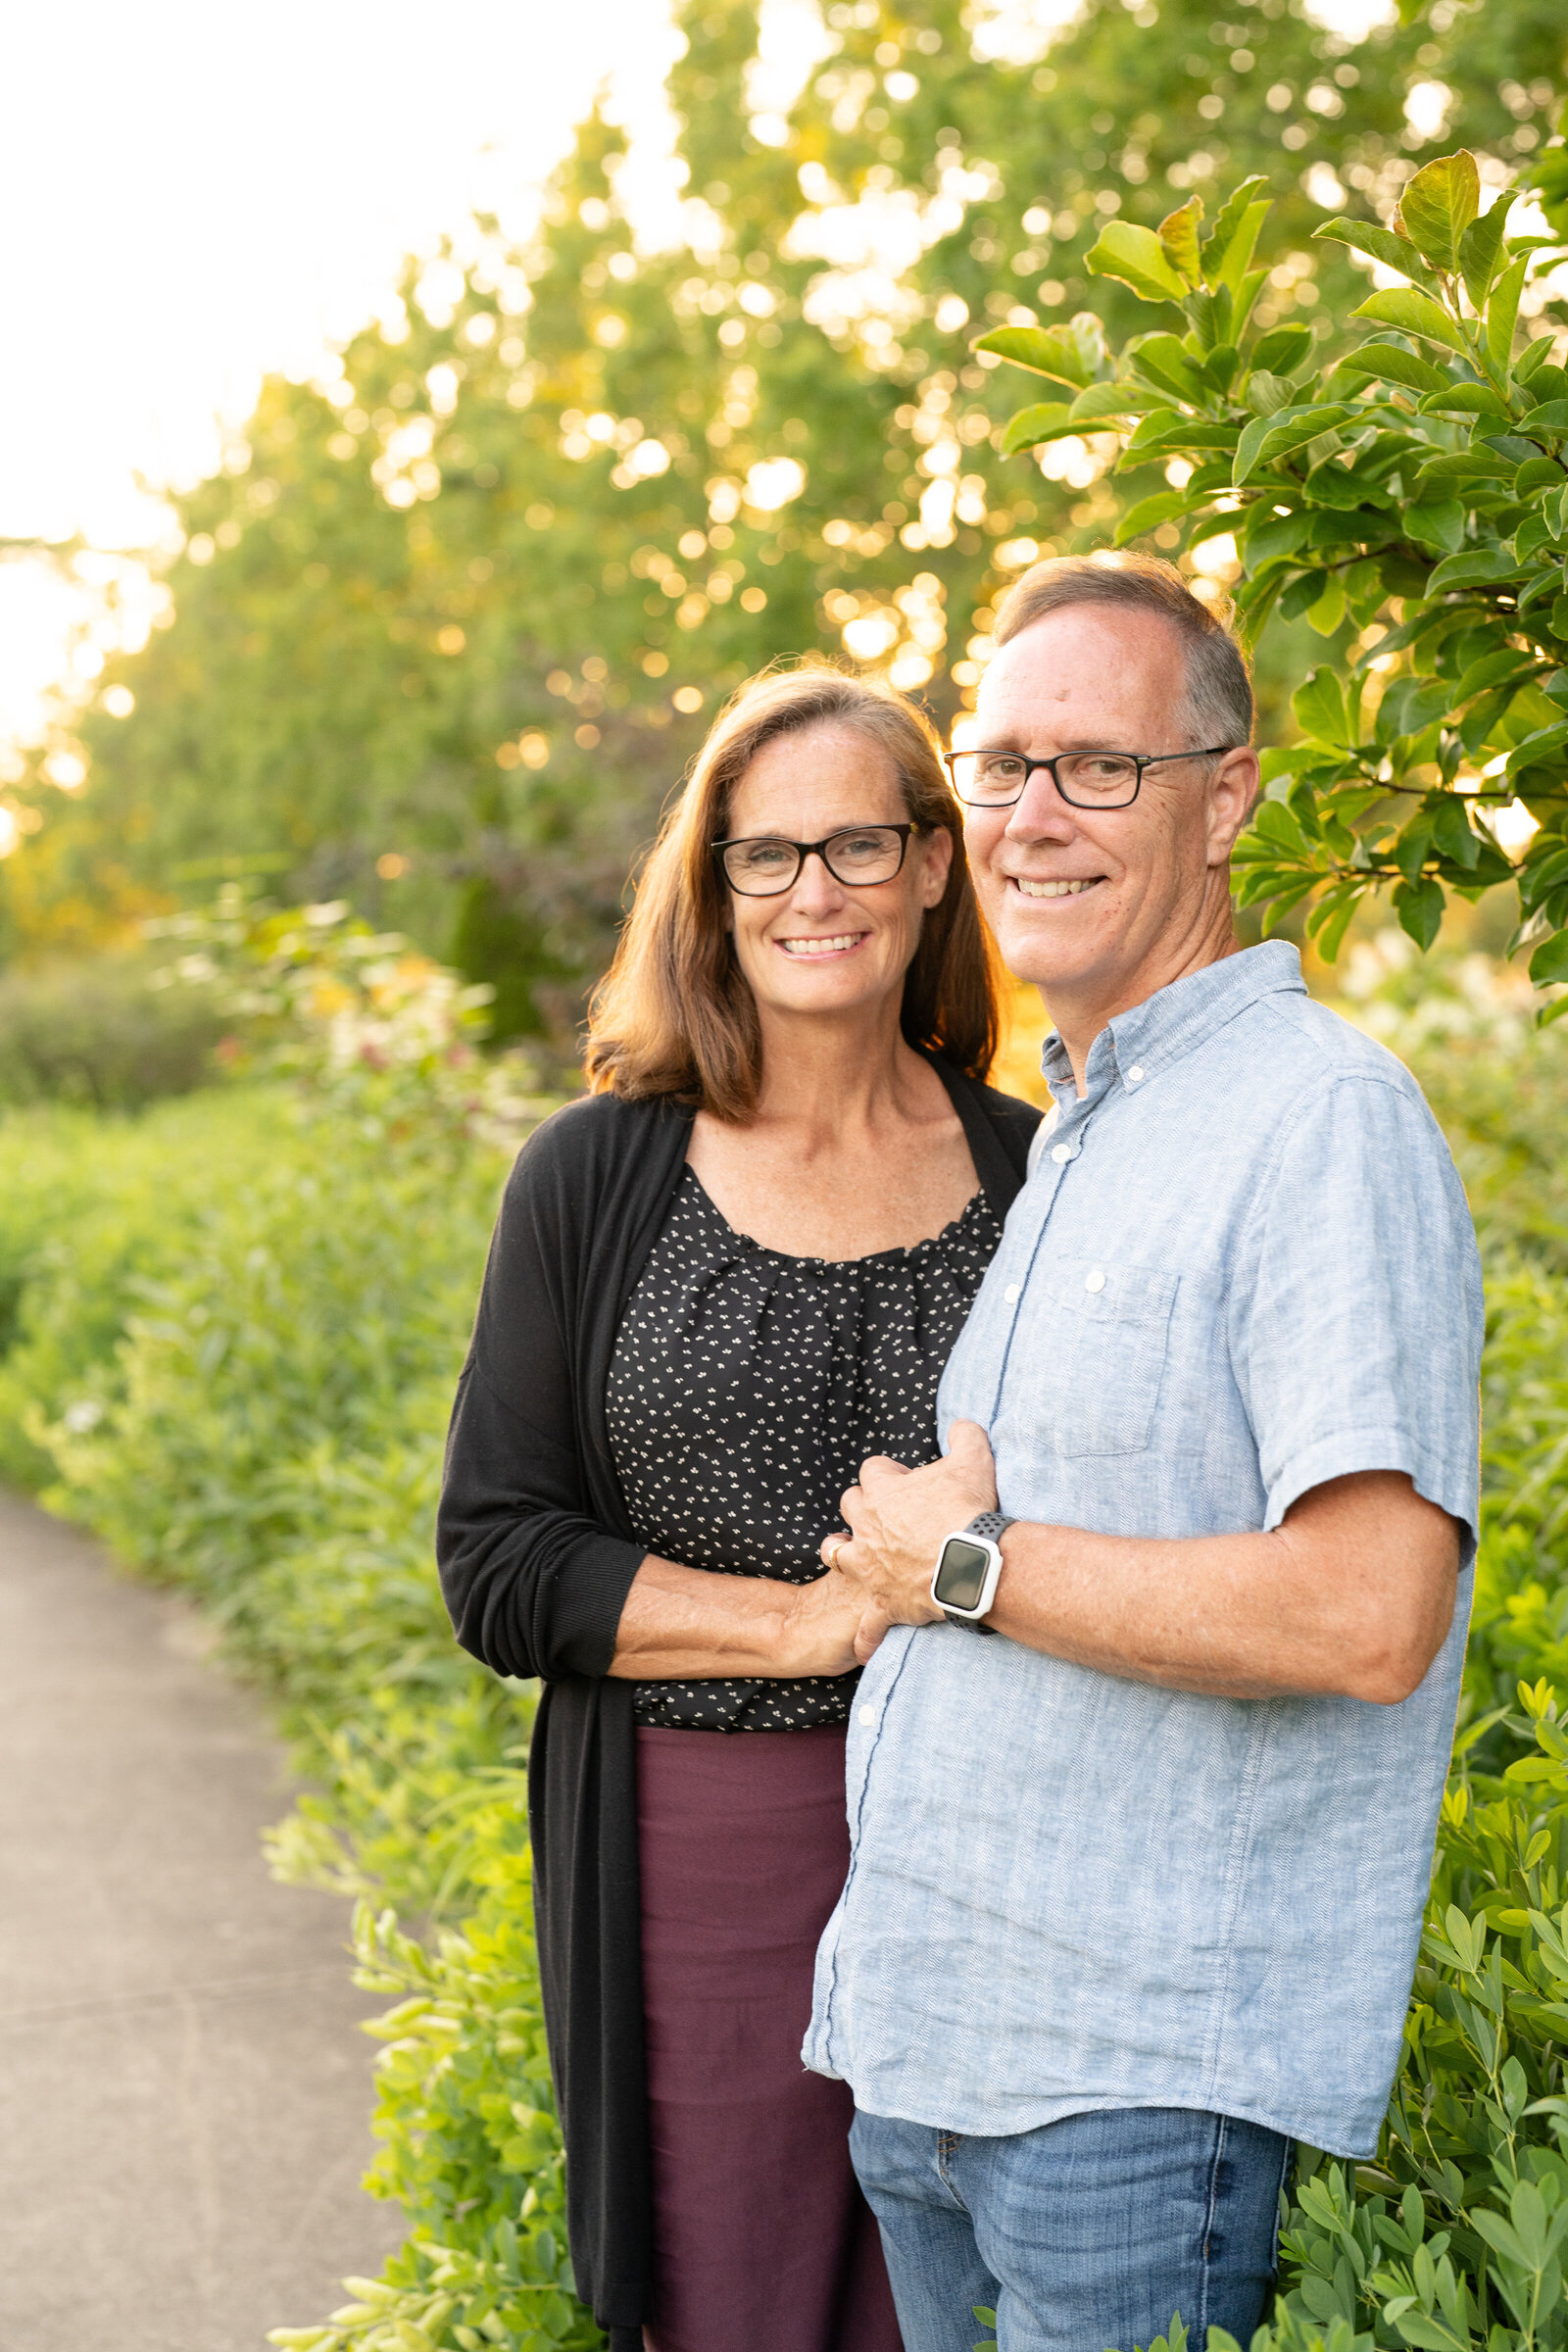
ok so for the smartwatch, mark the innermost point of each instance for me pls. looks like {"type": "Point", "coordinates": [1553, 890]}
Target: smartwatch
{"type": "Point", "coordinates": [963, 1582]}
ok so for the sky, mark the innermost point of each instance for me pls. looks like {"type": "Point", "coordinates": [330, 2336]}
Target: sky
{"type": "Point", "coordinates": [193, 193]}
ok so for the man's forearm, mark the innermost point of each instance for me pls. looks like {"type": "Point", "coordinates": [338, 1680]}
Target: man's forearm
{"type": "Point", "coordinates": [1310, 1609]}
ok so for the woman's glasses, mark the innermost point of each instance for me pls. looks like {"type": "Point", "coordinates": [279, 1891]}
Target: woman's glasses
{"type": "Point", "coordinates": [764, 867]}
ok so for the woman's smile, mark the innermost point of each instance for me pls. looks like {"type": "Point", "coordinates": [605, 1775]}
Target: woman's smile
{"type": "Point", "coordinates": [841, 943]}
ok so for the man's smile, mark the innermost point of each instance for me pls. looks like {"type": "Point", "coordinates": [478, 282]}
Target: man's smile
{"type": "Point", "coordinates": [1070, 889]}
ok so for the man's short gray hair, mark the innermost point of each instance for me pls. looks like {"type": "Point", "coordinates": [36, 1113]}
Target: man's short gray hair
{"type": "Point", "coordinates": [1217, 706]}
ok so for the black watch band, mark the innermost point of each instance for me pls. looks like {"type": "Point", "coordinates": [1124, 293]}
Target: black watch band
{"type": "Point", "coordinates": [991, 1526]}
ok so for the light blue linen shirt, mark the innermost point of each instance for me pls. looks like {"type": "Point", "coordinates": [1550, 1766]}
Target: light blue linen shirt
{"type": "Point", "coordinates": [1243, 1264]}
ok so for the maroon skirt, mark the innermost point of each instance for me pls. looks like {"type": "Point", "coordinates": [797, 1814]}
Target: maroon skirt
{"type": "Point", "coordinates": [761, 2236]}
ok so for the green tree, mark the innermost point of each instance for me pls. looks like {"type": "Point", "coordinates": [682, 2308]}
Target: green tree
{"type": "Point", "coordinates": [449, 623]}
{"type": "Point", "coordinates": [1417, 489]}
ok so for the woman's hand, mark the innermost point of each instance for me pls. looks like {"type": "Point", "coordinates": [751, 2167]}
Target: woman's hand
{"type": "Point", "coordinates": [821, 1626]}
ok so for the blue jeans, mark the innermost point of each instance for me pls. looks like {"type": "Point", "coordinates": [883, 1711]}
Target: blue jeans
{"type": "Point", "coordinates": [1085, 2233]}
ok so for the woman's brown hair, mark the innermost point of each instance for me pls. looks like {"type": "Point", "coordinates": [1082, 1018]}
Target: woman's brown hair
{"type": "Point", "coordinates": [674, 1015]}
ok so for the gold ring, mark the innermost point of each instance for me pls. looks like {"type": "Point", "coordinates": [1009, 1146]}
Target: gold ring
{"type": "Point", "coordinates": [834, 1545]}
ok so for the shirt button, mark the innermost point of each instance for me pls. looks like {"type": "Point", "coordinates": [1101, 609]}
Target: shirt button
{"type": "Point", "coordinates": [1061, 1153]}
{"type": "Point", "coordinates": [1095, 1281]}
{"type": "Point", "coordinates": [1135, 1074]}
{"type": "Point", "coordinates": [1011, 1294]}
{"type": "Point", "coordinates": [866, 1717]}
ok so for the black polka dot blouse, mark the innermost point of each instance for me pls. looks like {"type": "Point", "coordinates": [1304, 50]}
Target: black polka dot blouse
{"type": "Point", "coordinates": [745, 1390]}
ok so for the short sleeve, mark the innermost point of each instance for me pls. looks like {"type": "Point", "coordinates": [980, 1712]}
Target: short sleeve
{"type": "Point", "coordinates": [1356, 1315]}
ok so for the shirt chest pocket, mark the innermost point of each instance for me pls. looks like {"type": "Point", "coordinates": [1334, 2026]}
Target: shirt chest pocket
{"type": "Point", "coordinates": [1094, 1337]}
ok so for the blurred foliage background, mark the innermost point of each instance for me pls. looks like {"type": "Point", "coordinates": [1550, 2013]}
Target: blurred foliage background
{"type": "Point", "coordinates": [453, 616]}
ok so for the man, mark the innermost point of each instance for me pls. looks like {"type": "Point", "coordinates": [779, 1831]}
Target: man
{"type": "Point", "coordinates": [1137, 1887]}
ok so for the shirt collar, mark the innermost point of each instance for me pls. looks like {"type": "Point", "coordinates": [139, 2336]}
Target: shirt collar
{"type": "Point", "coordinates": [1174, 1020]}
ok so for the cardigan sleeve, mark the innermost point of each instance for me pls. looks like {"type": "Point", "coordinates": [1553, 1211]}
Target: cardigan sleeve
{"type": "Point", "coordinates": [533, 1584]}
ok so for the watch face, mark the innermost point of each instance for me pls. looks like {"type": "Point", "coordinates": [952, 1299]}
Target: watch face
{"type": "Point", "coordinates": [962, 1577]}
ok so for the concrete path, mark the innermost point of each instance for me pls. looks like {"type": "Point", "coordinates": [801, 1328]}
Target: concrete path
{"type": "Point", "coordinates": [185, 2101]}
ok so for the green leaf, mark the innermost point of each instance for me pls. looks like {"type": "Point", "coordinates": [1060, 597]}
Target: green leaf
{"type": "Point", "coordinates": [1550, 962]}
{"type": "Point", "coordinates": [1161, 357]}
{"type": "Point", "coordinates": [1329, 936]}
{"type": "Point", "coordinates": [1319, 708]}
{"type": "Point", "coordinates": [1465, 400]}
{"type": "Point", "coordinates": [1166, 429]}
{"type": "Point", "coordinates": [1419, 907]}
{"type": "Point", "coordinates": [1392, 363]}
{"type": "Point", "coordinates": [1178, 234]}
{"type": "Point", "coordinates": [1438, 523]}
{"type": "Point", "coordinates": [1439, 204]}
{"type": "Point", "coordinates": [1138, 258]}
{"type": "Point", "coordinates": [1409, 706]}
{"type": "Point", "coordinates": [1227, 250]}
{"type": "Point", "coordinates": [1268, 438]}
{"type": "Point", "coordinates": [1047, 420]}
{"type": "Point", "coordinates": [1413, 314]}
{"type": "Point", "coordinates": [1070, 354]}
{"type": "Point", "coordinates": [1472, 567]}
{"type": "Point", "coordinates": [1283, 349]}
{"type": "Point", "coordinates": [1490, 669]}
{"type": "Point", "coordinates": [1503, 311]}
{"type": "Point", "coordinates": [1481, 250]}
{"type": "Point", "coordinates": [1451, 830]}
{"type": "Point", "coordinates": [1550, 419]}
{"type": "Point", "coordinates": [1267, 537]}
{"type": "Point", "coordinates": [1546, 744]}
{"type": "Point", "coordinates": [1148, 514]}
{"type": "Point", "coordinates": [1103, 401]}
{"type": "Point", "coordinates": [1385, 245]}
{"type": "Point", "coordinates": [1326, 614]}
{"type": "Point", "coordinates": [1267, 394]}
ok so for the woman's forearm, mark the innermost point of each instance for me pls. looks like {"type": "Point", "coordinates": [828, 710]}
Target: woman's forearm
{"type": "Point", "coordinates": [692, 1625]}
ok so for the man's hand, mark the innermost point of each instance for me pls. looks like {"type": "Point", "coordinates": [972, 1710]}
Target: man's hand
{"type": "Point", "coordinates": [898, 1519]}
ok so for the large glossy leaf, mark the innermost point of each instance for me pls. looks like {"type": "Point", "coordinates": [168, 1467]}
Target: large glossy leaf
{"type": "Point", "coordinates": [1227, 250]}
{"type": "Point", "coordinates": [1164, 506]}
{"type": "Point", "coordinates": [1283, 349]}
{"type": "Point", "coordinates": [1503, 311]}
{"type": "Point", "coordinates": [1451, 830]}
{"type": "Point", "coordinates": [1472, 567]}
{"type": "Point", "coordinates": [1138, 258]}
{"type": "Point", "coordinates": [1101, 401]}
{"type": "Point", "coordinates": [1047, 420]}
{"type": "Point", "coordinates": [1057, 352]}
{"type": "Point", "coordinates": [1393, 251]}
{"type": "Point", "coordinates": [1268, 438]}
{"type": "Point", "coordinates": [1546, 744]}
{"type": "Point", "coordinates": [1419, 907]}
{"type": "Point", "coordinates": [1393, 363]}
{"type": "Point", "coordinates": [1549, 962]}
{"type": "Point", "coordinates": [1178, 234]}
{"type": "Point", "coordinates": [1319, 708]}
{"type": "Point", "coordinates": [1439, 204]}
{"type": "Point", "coordinates": [1413, 314]}
{"type": "Point", "coordinates": [1481, 250]}
{"type": "Point", "coordinates": [1161, 359]}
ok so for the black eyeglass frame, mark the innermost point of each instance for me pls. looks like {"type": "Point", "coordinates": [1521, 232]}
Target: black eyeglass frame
{"type": "Point", "coordinates": [812, 848]}
{"type": "Point", "coordinates": [1140, 761]}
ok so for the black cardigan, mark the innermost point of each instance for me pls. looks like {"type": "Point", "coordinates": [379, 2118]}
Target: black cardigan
{"type": "Point", "coordinates": [537, 1556]}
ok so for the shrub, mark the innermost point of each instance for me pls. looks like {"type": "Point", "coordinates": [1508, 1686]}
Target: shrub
{"type": "Point", "coordinates": [232, 1338]}
{"type": "Point", "coordinates": [103, 1033]}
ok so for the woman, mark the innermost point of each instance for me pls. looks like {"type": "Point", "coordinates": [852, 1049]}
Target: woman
{"type": "Point", "coordinates": [716, 1285]}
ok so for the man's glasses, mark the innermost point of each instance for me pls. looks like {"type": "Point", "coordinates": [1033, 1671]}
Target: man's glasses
{"type": "Point", "coordinates": [762, 867]}
{"type": "Point", "coordinates": [1084, 779]}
